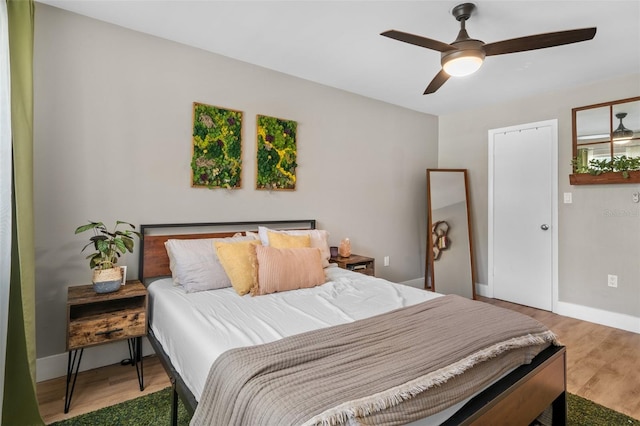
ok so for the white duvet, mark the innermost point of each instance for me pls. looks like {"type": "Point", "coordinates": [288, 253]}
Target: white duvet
{"type": "Point", "coordinates": [195, 328]}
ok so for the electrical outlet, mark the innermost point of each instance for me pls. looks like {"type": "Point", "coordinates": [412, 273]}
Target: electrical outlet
{"type": "Point", "coordinates": [612, 280]}
{"type": "Point", "coordinates": [386, 261]}
{"type": "Point", "coordinates": [636, 197]}
{"type": "Point", "coordinates": [567, 198]}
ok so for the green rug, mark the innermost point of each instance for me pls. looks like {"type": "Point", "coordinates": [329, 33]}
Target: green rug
{"type": "Point", "coordinates": [582, 412]}
{"type": "Point", "coordinates": [149, 410]}
{"type": "Point", "coordinates": [154, 409]}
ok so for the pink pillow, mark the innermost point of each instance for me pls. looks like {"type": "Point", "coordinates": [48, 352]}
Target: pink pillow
{"type": "Point", "coordinates": [287, 269]}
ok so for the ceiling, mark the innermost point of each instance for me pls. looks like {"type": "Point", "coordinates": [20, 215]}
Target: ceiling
{"type": "Point", "coordinates": [337, 43]}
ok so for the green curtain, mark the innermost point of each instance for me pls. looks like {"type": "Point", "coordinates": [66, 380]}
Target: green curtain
{"type": "Point", "coordinates": [20, 405]}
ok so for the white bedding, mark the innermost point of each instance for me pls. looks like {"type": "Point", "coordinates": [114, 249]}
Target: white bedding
{"type": "Point", "coordinates": [180, 321]}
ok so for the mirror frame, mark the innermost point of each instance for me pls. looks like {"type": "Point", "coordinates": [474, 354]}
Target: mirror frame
{"type": "Point", "coordinates": [604, 178]}
{"type": "Point", "coordinates": [429, 278]}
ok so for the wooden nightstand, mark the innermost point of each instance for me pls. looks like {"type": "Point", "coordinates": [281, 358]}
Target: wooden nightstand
{"type": "Point", "coordinates": [94, 319]}
{"type": "Point", "coordinates": [356, 263]}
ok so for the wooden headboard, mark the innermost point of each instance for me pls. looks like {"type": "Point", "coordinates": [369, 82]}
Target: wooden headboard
{"type": "Point", "coordinates": [154, 261]}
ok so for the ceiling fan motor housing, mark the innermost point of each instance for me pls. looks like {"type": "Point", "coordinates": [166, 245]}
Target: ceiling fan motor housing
{"type": "Point", "coordinates": [464, 48]}
{"type": "Point", "coordinates": [467, 49]}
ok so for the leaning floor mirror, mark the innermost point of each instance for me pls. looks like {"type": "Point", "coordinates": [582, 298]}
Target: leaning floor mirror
{"type": "Point", "coordinates": [449, 261]}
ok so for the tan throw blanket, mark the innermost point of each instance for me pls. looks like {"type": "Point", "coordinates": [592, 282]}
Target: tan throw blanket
{"type": "Point", "coordinates": [389, 369]}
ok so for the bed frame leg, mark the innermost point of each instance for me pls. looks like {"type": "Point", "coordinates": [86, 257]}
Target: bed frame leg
{"type": "Point", "coordinates": [559, 410]}
{"type": "Point", "coordinates": [174, 403]}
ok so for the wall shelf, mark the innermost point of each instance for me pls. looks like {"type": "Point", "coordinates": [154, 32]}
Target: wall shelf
{"type": "Point", "coordinates": [604, 178]}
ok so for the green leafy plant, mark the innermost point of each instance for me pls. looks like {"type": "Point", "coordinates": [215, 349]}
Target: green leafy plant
{"type": "Point", "coordinates": [109, 244]}
{"type": "Point", "coordinates": [621, 164]}
{"type": "Point", "coordinates": [217, 147]}
{"type": "Point", "coordinates": [626, 164]}
{"type": "Point", "coordinates": [277, 153]}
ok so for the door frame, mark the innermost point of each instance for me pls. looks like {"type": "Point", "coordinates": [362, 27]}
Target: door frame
{"type": "Point", "coordinates": [553, 123]}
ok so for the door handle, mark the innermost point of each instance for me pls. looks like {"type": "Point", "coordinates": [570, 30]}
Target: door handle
{"type": "Point", "coordinates": [544, 227]}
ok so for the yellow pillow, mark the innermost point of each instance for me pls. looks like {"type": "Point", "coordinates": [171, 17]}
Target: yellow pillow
{"type": "Point", "coordinates": [240, 263]}
{"type": "Point", "coordinates": [279, 240]}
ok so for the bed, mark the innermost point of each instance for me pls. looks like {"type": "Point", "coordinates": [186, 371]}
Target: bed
{"type": "Point", "coordinates": [179, 321]}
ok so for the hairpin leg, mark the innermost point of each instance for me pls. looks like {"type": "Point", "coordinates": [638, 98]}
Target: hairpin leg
{"type": "Point", "coordinates": [136, 359]}
{"type": "Point", "coordinates": [71, 366]}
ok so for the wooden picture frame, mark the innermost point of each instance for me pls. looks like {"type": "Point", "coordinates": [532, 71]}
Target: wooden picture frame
{"type": "Point", "coordinates": [123, 269]}
{"type": "Point", "coordinates": [277, 153]}
{"type": "Point", "coordinates": [216, 160]}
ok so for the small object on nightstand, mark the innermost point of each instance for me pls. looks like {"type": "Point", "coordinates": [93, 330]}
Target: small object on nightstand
{"type": "Point", "coordinates": [334, 251]}
{"type": "Point", "coordinates": [356, 263]}
{"type": "Point", "coordinates": [97, 318]}
{"type": "Point", "coordinates": [345, 248]}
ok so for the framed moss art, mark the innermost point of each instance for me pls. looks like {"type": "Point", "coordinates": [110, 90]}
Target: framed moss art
{"type": "Point", "coordinates": [217, 147]}
{"type": "Point", "coordinates": [276, 154]}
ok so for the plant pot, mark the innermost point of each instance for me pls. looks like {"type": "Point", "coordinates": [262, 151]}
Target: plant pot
{"type": "Point", "coordinates": [107, 280]}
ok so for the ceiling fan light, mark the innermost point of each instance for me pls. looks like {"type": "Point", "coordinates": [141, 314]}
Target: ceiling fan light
{"type": "Point", "coordinates": [622, 135]}
{"type": "Point", "coordinates": [462, 63]}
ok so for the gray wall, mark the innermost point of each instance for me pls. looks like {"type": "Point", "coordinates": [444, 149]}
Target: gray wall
{"type": "Point", "coordinates": [599, 233]}
{"type": "Point", "coordinates": [113, 141]}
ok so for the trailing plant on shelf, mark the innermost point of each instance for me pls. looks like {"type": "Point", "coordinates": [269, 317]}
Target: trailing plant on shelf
{"type": "Point", "coordinates": [622, 164]}
{"type": "Point", "coordinates": [109, 245]}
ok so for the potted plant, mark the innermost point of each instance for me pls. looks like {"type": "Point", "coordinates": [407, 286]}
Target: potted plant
{"type": "Point", "coordinates": [109, 246]}
{"type": "Point", "coordinates": [620, 169]}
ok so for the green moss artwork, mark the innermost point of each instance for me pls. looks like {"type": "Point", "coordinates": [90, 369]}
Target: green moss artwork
{"type": "Point", "coordinates": [217, 147]}
{"type": "Point", "coordinates": [276, 154]}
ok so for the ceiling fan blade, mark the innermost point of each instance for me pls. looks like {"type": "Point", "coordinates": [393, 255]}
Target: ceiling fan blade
{"type": "Point", "coordinates": [539, 41]}
{"type": "Point", "coordinates": [437, 82]}
{"type": "Point", "coordinates": [418, 40]}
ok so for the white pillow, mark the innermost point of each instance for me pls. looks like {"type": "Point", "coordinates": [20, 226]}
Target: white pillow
{"type": "Point", "coordinates": [254, 235]}
{"type": "Point", "coordinates": [195, 265]}
{"type": "Point", "coordinates": [319, 239]}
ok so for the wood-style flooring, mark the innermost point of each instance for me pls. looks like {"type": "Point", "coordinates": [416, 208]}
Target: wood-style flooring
{"type": "Point", "coordinates": [603, 365]}
{"type": "Point", "coordinates": [99, 388]}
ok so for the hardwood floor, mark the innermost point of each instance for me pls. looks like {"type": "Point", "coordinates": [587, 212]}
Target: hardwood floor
{"type": "Point", "coordinates": [603, 365]}
{"type": "Point", "coordinates": [99, 388]}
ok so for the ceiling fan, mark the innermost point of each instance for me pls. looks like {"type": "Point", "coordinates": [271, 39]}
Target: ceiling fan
{"type": "Point", "coordinates": [465, 55]}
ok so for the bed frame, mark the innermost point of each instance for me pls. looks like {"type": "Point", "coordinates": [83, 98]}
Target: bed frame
{"type": "Point", "coordinates": [518, 398]}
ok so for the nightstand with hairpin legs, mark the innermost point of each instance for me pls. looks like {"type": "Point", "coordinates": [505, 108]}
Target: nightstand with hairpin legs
{"type": "Point", "coordinates": [98, 318]}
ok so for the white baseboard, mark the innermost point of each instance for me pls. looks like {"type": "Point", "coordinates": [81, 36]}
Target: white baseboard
{"type": "Point", "coordinates": [483, 290]}
{"type": "Point", "coordinates": [599, 316]}
{"type": "Point", "coordinates": [571, 310]}
{"type": "Point", "coordinates": [54, 366]}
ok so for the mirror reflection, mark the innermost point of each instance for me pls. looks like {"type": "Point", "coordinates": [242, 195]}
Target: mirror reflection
{"type": "Point", "coordinates": [604, 131]}
{"type": "Point", "coordinates": [626, 129]}
{"type": "Point", "coordinates": [449, 263]}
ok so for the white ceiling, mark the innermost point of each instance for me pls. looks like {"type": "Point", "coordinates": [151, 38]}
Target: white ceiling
{"type": "Point", "coordinates": [337, 43]}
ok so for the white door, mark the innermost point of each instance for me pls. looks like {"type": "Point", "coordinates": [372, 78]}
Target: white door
{"type": "Point", "coordinates": [523, 185]}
